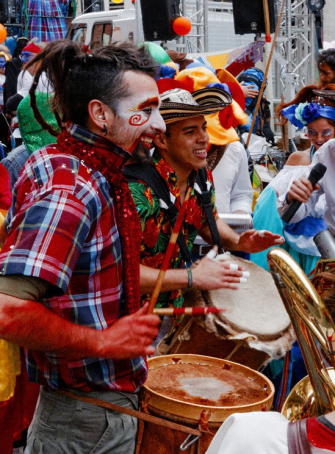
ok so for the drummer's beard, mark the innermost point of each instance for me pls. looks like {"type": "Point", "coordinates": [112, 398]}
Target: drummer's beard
{"type": "Point", "coordinates": [140, 155]}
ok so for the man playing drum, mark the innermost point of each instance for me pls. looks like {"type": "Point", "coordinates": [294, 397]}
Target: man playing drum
{"type": "Point", "coordinates": [179, 154]}
{"type": "Point", "coordinates": [69, 285]}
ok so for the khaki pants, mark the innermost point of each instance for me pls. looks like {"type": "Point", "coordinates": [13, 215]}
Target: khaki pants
{"type": "Point", "coordinates": [65, 425]}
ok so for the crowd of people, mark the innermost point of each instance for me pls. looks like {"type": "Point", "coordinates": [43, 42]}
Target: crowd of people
{"type": "Point", "coordinates": [109, 146]}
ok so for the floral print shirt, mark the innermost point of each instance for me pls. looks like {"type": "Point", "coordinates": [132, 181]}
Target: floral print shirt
{"type": "Point", "coordinates": [156, 226]}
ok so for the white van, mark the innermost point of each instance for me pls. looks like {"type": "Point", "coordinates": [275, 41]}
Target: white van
{"type": "Point", "coordinates": [104, 27]}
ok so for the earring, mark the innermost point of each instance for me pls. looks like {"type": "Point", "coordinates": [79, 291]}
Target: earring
{"type": "Point", "coordinates": [104, 130]}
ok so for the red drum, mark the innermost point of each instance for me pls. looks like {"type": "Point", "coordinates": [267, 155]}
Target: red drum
{"type": "Point", "coordinates": [254, 329]}
{"type": "Point", "coordinates": [200, 392]}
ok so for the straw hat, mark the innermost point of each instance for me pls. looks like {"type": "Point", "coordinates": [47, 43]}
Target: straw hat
{"type": "Point", "coordinates": [178, 104]}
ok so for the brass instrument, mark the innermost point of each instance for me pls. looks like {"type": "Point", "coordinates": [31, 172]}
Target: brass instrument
{"type": "Point", "coordinates": [315, 329]}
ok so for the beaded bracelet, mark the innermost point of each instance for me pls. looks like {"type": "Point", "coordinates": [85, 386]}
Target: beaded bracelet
{"type": "Point", "coordinates": [190, 278]}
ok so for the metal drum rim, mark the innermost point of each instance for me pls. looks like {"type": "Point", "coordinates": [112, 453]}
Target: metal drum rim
{"type": "Point", "coordinates": [219, 413]}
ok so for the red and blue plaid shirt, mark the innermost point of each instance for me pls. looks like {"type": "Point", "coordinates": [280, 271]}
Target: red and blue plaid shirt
{"type": "Point", "coordinates": [62, 229]}
{"type": "Point", "coordinates": [46, 20]}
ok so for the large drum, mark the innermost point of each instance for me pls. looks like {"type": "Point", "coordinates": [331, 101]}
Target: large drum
{"type": "Point", "coordinates": [254, 329]}
{"type": "Point", "coordinates": [200, 392]}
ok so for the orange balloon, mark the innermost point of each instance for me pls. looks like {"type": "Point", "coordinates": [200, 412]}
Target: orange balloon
{"type": "Point", "coordinates": [3, 33]}
{"type": "Point", "coordinates": [182, 26]}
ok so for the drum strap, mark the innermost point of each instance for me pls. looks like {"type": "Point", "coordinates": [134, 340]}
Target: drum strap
{"type": "Point", "coordinates": [297, 438]}
{"type": "Point", "coordinates": [134, 413]}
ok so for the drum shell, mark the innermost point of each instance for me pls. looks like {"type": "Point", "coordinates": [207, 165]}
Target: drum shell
{"type": "Point", "coordinates": [192, 338]}
{"type": "Point", "coordinates": [161, 440]}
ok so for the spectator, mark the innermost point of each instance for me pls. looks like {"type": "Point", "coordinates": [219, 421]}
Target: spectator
{"type": "Point", "coordinates": [13, 69]}
{"type": "Point", "coordinates": [325, 60]}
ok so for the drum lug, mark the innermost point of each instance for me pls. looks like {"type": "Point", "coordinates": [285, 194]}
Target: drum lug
{"type": "Point", "coordinates": [186, 443]}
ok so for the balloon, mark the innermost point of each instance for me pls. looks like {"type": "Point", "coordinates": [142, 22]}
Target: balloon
{"type": "Point", "coordinates": [157, 52]}
{"type": "Point", "coordinates": [182, 26]}
{"type": "Point", "coordinates": [3, 33]}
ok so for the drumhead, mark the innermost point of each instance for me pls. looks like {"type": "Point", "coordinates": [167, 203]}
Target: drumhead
{"type": "Point", "coordinates": [185, 385]}
{"type": "Point", "coordinates": [256, 307]}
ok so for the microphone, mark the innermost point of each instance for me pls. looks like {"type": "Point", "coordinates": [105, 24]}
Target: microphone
{"type": "Point", "coordinates": [316, 174]}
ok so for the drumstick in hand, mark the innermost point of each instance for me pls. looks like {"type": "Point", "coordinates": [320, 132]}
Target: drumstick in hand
{"type": "Point", "coordinates": [168, 253]}
{"type": "Point", "coordinates": [187, 310]}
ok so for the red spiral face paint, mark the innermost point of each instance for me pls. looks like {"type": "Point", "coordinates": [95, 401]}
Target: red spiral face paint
{"type": "Point", "coordinates": [143, 111]}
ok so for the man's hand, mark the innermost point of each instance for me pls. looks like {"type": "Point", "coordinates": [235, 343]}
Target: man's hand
{"type": "Point", "coordinates": [249, 91]}
{"type": "Point", "coordinates": [253, 241]}
{"type": "Point", "coordinates": [131, 336]}
{"type": "Point", "coordinates": [211, 275]}
{"type": "Point", "coordinates": [301, 190]}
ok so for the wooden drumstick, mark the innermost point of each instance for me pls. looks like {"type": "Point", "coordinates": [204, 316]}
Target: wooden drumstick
{"type": "Point", "coordinates": [187, 310]}
{"type": "Point", "coordinates": [168, 253]}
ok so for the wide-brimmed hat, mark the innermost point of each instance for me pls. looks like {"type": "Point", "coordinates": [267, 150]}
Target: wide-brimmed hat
{"type": "Point", "coordinates": [178, 104]}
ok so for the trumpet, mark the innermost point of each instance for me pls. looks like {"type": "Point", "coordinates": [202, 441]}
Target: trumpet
{"type": "Point", "coordinates": [315, 331]}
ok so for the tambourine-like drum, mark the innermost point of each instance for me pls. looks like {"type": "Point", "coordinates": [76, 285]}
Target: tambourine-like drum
{"type": "Point", "coordinates": [254, 329]}
{"type": "Point", "coordinates": [200, 392]}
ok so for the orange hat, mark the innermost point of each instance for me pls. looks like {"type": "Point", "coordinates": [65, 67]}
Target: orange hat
{"type": "Point", "coordinates": [220, 126]}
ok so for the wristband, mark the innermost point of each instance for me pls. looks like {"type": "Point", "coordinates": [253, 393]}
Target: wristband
{"type": "Point", "coordinates": [190, 278]}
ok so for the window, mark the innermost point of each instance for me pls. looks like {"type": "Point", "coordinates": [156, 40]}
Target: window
{"type": "Point", "coordinates": [102, 34]}
{"type": "Point", "coordinates": [77, 33]}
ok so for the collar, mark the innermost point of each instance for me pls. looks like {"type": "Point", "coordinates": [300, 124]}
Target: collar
{"type": "Point", "coordinates": [118, 156]}
{"type": "Point", "coordinates": [168, 173]}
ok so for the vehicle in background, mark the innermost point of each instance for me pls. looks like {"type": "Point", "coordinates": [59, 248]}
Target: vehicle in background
{"type": "Point", "coordinates": [103, 27]}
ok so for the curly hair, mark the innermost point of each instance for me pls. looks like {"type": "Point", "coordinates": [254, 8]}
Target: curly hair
{"type": "Point", "coordinates": [306, 94]}
{"type": "Point", "coordinates": [326, 56]}
{"type": "Point", "coordinates": [77, 77]}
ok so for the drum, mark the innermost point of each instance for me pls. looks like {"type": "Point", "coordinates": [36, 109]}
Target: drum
{"type": "Point", "coordinates": [200, 392]}
{"type": "Point", "coordinates": [254, 329]}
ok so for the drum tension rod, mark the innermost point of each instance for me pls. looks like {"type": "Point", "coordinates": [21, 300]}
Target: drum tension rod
{"type": "Point", "coordinates": [185, 445]}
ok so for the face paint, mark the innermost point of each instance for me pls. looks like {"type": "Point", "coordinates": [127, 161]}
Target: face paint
{"type": "Point", "coordinates": [319, 132]}
{"type": "Point", "coordinates": [26, 56]}
{"type": "Point", "coordinates": [137, 117]}
{"type": "Point", "coordinates": [144, 111]}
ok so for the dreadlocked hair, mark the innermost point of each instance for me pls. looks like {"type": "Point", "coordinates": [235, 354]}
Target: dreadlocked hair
{"type": "Point", "coordinates": [306, 95]}
{"type": "Point", "coordinates": [77, 77]}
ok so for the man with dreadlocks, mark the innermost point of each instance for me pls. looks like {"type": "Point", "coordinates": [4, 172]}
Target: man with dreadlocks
{"type": "Point", "coordinates": [69, 285]}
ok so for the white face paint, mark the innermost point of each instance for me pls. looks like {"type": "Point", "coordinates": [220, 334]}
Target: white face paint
{"type": "Point", "coordinates": [138, 116]}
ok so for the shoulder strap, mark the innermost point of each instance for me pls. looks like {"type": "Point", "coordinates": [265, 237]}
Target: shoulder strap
{"type": "Point", "coordinates": [149, 175]}
{"type": "Point", "coordinates": [250, 161]}
{"type": "Point", "coordinates": [201, 180]}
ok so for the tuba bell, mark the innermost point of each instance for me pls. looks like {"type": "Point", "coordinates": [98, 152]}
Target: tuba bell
{"type": "Point", "coordinates": [315, 330]}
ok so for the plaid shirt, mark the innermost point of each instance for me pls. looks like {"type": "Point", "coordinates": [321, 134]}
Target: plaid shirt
{"type": "Point", "coordinates": [46, 20]}
{"type": "Point", "coordinates": [62, 229]}
{"type": "Point", "coordinates": [156, 226]}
